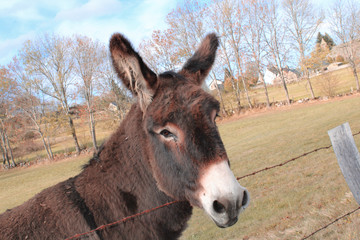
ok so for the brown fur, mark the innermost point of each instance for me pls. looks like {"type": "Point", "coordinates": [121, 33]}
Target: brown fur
{"type": "Point", "coordinates": [137, 168]}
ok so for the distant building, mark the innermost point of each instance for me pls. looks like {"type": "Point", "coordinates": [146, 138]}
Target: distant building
{"type": "Point", "coordinates": [113, 107]}
{"type": "Point", "coordinates": [272, 75]}
{"type": "Point", "coordinates": [219, 83]}
{"type": "Point", "coordinates": [346, 50]}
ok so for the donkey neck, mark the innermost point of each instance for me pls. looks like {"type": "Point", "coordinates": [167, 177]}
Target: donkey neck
{"type": "Point", "coordinates": [123, 174]}
{"type": "Point", "coordinates": [123, 163]}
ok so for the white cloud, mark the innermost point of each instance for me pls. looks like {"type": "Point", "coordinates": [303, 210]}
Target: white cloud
{"type": "Point", "coordinates": [10, 47]}
{"type": "Point", "coordinates": [98, 19]}
{"type": "Point", "coordinates": [91, 9]}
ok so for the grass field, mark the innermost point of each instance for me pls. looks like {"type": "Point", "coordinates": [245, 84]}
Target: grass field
{"type": "Point", "coordinates": [286, 203]}
{"type": "Point", "coordinates": [342, 81]}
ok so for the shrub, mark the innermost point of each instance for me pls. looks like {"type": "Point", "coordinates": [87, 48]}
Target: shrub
{"type": "Point", "coordinates": [339, 58]}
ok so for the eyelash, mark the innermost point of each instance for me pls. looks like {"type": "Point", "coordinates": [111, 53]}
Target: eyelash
{"type": "Point", "coordinates": [167, 134]}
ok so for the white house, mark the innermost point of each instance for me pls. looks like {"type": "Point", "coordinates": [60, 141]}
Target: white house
{"type": "Point", "coordinates": [270, 75]}
{"type": "Point", "coordinates": [219, 83]}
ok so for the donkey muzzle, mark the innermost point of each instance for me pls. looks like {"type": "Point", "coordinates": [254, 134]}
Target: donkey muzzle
{"type": "Point", "coordinates": [221, 196]}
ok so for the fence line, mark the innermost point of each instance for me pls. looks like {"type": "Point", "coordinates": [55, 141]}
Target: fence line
{"type": "Point", "coordinates": [283, 163]}
{"type": "Point", "coordinates": [238, 178]}
{"type": "Point", "coordinates": [327, 225]}
{"type": "Point", "coordinates": [122, 220]}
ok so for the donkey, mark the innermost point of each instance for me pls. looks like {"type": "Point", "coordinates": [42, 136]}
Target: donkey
{"type": "Point", "coordinates": [167, 148]}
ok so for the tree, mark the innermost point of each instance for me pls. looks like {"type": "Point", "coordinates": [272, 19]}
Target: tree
{"type": "Point", "coordinates": [213, 76]}
{"type": "Point", "coordinates": [300, 13]}
{"type": "Point", "coordinates": [328, 40]}
{"type": "Point", "coordinates": [113, 91]}
{"type": "Point", "coordinates": [88, 56]}
{"type": "Point", "coordinates": [251, 73]}
{"type": "Point", "coordinates": [186, 22]}
{"type": "Point", "coordinates": [317, 58]}
{"type": "Point", "coordinates": [8, 89]}
{"type": "Point", "coordinates": [219, 23]}
{"type": "Point", "coordinates": [31, 103]}
{"type": "Point", "coordinates": [160, 52]}
{"type": "Point", "coordinates": [275, 34]}
{"type": "Point", "coordinates": [253, 34]}
{"type": "Point", "coordinates": [233, 20]}
{"type": "Point", "coordinates": [345, 23]}
{"type": "Point", "coordinates": [49, 58]}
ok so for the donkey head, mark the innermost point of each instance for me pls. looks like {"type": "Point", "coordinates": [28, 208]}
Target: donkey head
{"type": "Point", "coordinates": [187, 156]}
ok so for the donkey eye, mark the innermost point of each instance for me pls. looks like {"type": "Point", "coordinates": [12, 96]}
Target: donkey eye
{"type": "Point", "coordinates": [216, 116]}
{"type": "Point", "coordinates": [166, 133]}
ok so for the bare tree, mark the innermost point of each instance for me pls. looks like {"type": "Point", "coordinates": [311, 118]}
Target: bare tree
{"type": "Point", "coordinates": [7, 93]}
{"type": "Point", "coordinates": [305, 21]}
{"type": "Point", "coordinates": [49, 58]}
{"type": "Point", "coordinates": [345, 23]}
{"type": "Point", "coordinates": [112, 90]}
{"type": "Point", "coordinates": [88, 56]}
{"type": "Point", "coordinates": [275, 38]}
{"type": "Point", "coordinates": [31, 103]}
{"type": "Point", "coordinates": [160, 51]}
{"type": "Point", "coordinates": [216, 70]}
{"type": "Point", "coordinates": [253, 34]}
{"type": "Point", "coordinates": [187, 24]}
{"type": "Point", "coordinates": [233, 16]}
{"type": "Point", "coordinates": [219, 24]}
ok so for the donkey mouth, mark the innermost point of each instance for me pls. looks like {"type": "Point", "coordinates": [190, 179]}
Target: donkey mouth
{"type": "Point", "coordinates": [228, 224]}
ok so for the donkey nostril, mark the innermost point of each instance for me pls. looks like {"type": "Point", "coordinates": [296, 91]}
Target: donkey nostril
{"type": "Point", "coordinates": [245, 199]}
{"type": "Point", "coordinates": [218, 207]}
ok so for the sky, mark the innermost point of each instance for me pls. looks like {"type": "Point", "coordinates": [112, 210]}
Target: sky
{"type": "Point", "coordinates": [21, 20]}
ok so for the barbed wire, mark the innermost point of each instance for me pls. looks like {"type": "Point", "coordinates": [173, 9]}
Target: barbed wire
{"type": "Point", "coordinates": [122, 220]}
{"type": "Point", "coordinates": [331, 223]}
{"type": "Point", "coordinates": [238, 178]}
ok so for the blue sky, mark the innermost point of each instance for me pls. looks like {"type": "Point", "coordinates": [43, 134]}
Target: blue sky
{"type": "Point", "coordinates": [21, 20]}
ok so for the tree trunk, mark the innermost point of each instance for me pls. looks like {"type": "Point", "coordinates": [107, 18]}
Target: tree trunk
{"type": "Point", "coordinates": [10, 150]}
{"type": "Point", "coordinates": [243, 80]}
{"type": "Point", "coordinates": [266, 91]}
{"type": "Point", "coordinates": [246, 93]}
{"type": "Point", "coordinates": [73, 133]}
{"type": "Point", "coordinates": [45, 145]}
{"type": "Point", "coordinates": [49, 147]}
{"type": "Point", "coordinates": [3, 153]}
{"type": "Point", "coordinates": [307, 75]}
{"type": "Point", "coordinates": [285, 88]}
{"type": "Point", "coordinates": [92, 129]}
{"type": "Point", "coordinates": [356, 77]}
{"type": "Point", "coordinates": [237, 94]}
{"type": "Point", "coordinates": [220, 97]}
{"type": "Point", "coordinates": [4, 149]}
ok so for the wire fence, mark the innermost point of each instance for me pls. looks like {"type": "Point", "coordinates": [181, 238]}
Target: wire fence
{"type": "Point", "coordinates": [76, 236]}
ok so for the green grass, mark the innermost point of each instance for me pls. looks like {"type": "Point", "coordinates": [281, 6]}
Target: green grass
{"type": "Point", "coordinates": [286, 203]}
{"type": "Point", "coordinates": [20, 184]}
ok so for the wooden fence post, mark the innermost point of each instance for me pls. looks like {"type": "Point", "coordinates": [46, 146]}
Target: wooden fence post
{"type": "Point", "coordinates": [348, 157]}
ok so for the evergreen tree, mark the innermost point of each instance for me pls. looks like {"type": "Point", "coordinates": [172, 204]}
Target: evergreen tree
{"type": "Point", "coordinates": [330, 42]}
{"type": "Point", "coordinates": [319, 38]}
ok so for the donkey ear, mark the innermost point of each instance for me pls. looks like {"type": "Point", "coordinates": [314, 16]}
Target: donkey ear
{"type": "Point", "coordinates": [131, 69]}
{"type": "Point", "coordinates": [199, 65]}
